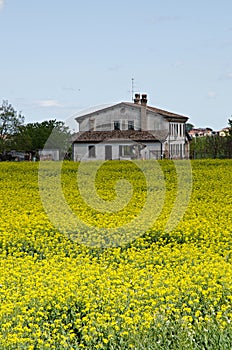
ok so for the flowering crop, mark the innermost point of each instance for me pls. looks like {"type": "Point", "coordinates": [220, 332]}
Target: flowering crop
{"type": "Point", "coordinates": [163, 290]}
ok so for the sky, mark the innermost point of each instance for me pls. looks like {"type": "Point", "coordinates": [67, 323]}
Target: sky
{"type": "Point", "coordinates": [61, 57]}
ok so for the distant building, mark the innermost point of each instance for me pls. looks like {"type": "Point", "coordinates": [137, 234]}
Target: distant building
{"type": "Point", "coordinates": [224, 132]}
{"type": "Point", "coordinates": [49, 154]}
{"type": "Point", "coordinates": [195, 132]}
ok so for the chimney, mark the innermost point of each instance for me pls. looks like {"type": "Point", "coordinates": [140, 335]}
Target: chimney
{"type": "Point", "coordinates": [144, 112]}
{"type": "Point", "coordinates": [137, 99]}
{"type": "Point", "coordinates": [91, 124]}
{"type": "Point", "coordinates": [144, 99]}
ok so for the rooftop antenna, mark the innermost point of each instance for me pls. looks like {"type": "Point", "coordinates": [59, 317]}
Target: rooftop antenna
{"type": "Point", "coordinates": [132, 88]}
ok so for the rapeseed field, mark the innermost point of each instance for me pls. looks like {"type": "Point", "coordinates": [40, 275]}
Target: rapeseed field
{"type": "Point", "coordinates": [160, 289]}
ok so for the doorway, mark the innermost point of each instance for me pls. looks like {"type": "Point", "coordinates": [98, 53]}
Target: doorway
{"type": "Point", "coordinates": [108, 152]}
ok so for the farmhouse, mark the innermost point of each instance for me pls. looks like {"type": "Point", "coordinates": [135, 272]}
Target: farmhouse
{"type": "Point", "coordinates": [130, 130]}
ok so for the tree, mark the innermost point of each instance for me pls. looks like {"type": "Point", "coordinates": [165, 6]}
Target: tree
{"type": "Point", "coordinates": [229, 140]}
{"type": "Point", "coordinates": [189, 126]}
{"type": "Point", "coordinates": [10, 124]}
{"type": "Point", "coordinates": [51, 134]}
{"type": "Point", "coordinates": [230, 127]}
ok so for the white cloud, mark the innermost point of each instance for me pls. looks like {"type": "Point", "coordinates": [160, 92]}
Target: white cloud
{"type": "Point", "coordinates": [159, 19]}
{"type": "Point", "coordinates": [69, 89]}
{"type": "Point", "coordinates": [178, 64]}
{"type": "Point", "coordinates": [212, 94]}
{"type": "Point", "coordinates": [115, 68]}
{"type": "Point", "coordinates": [48, 103]}
{"type": "Point", "coordinates": [229, 75]}
{"type": "Point", "coordinates": [1, 4]}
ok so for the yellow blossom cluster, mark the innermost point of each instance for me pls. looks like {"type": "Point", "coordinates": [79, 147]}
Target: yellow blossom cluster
{"type": "Point", "coordinates": [172, 287]}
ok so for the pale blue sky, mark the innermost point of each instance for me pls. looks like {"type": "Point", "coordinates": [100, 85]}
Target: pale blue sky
{"type": "Point", "coordinates": [60, 57]}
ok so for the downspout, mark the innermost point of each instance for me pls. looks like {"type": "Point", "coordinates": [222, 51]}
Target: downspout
{"type": "Point", "coordinates": [161, 150]}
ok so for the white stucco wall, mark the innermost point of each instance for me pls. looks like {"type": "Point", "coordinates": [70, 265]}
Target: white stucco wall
{"type": "Point", "coordinates": [150, 151]}
{"type": "Point", "coordinates": [156, 122]}
{"type": "Point", "coordinates": [104, 120]}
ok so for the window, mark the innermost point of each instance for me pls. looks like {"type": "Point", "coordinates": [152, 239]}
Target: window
{"type": "Point", "coordinates": [127, 150]}
{"type": "Point", "coordinates": [117, 125]}
{"type": "Point", "coordinates": [175, 130]}
{"type": "Point", "coordinates": [184, 129]}
{"type": "Point", "coordinates": [173, 150]}
{"type": "Point", "coordinates": [131, 125]}
{"type": "Point", "coordinates": [92, 153]}
{"type": "Point", "coordinates": [181, 152]}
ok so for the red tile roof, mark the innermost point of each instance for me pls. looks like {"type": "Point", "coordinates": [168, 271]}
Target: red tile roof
{"type": "Point", "coordinates": [158, 110]}
{"type": "Point", "coordinates": [135, 105]}
{"type": "Point", "coordinates": [133, 135]}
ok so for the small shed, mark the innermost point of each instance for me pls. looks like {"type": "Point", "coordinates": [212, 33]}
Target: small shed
{"type": "Point", "coordinates": [49, 154]}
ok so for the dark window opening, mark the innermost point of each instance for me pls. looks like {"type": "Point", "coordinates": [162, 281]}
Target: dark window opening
{"type": "Point", "coordinates": [131, 125]}
{"type": "Point", "coordinates": [92, 153]}
{"type": "Point", "coordinates": [116, 125]}
{"type": "Point", "coordinates": [126, 151]}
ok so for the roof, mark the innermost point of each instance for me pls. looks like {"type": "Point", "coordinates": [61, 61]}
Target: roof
{"type": "Point", "coordinates": [115, 135]}
{"type": "Point", "coordinates": [94, 109]}
{"type": "Point", "coordinates": [158, 110]}
{"type": "Point", "coordinates": [166, 113]}
{"type": "Point", "coordinates": [101, 108]}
